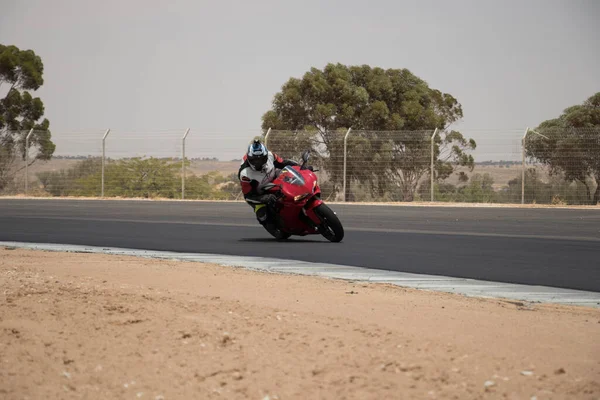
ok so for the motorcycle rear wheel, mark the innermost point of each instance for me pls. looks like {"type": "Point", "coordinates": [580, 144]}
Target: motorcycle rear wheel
{"type": "Point", "coordinates": [331, 228]}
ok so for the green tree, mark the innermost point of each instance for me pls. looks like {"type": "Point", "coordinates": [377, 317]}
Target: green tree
{"type": "Point", "coordinates": [392, 113]}
{"type": "Point", "coordinates": [212, 186]}
{"type": "Point", "coordinates": [20, 112]}
{"type": "Point", "coordinates": [572, 145]}
{"type": "Point", "coordinates": [291, 144]}
{"type": "Point", "coordinates": [443, 191]}
{"type": "Point", "coordinates": [70, 182]}
{"type": "Point", "coordinates": [536, 191]}
{"type": "Point", "coordinates": [557, 189]}
{"type": "Point", "coordinates": [137, 177]}
{"type": "Point", "coordinates": [479, 190]}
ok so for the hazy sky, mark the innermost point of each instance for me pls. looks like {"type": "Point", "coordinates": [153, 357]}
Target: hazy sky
{"type": "Point", "coordinates": [215, 66]}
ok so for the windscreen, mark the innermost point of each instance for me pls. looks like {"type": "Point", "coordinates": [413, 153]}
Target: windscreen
{"type": "Point", "coordinates": [292, 176]}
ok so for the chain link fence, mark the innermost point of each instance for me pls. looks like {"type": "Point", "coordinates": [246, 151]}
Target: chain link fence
{"type": "Point", "coordinates": [567, 169]}
{"type": "Point", "coordinates": [545, 166]}
{"type": "Point", "coordinates": [118, 164]}
{"type": "Point", "coordinates": [361, 166]}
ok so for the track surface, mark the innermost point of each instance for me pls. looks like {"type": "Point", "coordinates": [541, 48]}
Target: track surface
{"type": "Point", "coordinates": [549, 247]}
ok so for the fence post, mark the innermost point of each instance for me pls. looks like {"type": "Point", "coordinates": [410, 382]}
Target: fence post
{"type": "Point", "coordinates": [104, 158]}
{"type": "Point", "coordinates": [183, 163]}
{"type": "Point", "coordinates": [523, 155]}
{"type": "Point", "coordinates": [345, 157]}
{"type": "Point", "coordinates": [27, 161]}
{"type": "Point", "coordinates": [267, 137]}
{"type": "Point", "coordinates": [523, 166]}
{"type": "Point", "coordinates": [432, 162]}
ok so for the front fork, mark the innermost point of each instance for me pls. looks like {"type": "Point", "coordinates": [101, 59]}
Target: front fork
{"type": "Point", "coordinates": [309, 211]}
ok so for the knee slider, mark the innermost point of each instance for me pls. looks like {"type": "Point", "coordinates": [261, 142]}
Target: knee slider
{"type": "Point", "coordinates": [261, 214]}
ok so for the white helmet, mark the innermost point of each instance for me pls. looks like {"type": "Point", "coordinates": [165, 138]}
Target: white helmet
{"type": "Point", "coordinates": [257, 155]}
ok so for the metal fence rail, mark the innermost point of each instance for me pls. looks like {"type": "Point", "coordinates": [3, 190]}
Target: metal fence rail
{"type": "Point", "coordinates": [559, 166]}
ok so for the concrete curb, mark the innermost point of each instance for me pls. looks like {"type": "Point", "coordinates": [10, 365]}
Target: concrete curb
{"type": "Point", "coordinates": [467, 287]}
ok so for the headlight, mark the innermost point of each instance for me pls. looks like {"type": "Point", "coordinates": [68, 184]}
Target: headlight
{"type": "Point", "coordinates": [301, 196]}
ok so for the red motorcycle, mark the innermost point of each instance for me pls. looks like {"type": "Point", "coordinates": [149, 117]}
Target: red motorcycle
{"type": "Point", "coordinates": [299, 209]}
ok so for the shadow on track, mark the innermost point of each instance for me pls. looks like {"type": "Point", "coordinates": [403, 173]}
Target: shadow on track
{"type": "Point", "coordinates": [273, 240]}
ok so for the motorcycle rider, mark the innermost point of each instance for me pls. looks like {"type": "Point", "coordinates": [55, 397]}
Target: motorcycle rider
{"type": "Point", "coordinates": [259, 167]}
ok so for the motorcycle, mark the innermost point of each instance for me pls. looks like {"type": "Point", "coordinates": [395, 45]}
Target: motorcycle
{"type": "Point", "coordinates": [299, 209]}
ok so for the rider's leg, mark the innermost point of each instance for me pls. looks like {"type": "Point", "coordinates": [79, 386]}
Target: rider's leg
{"type": "Point", "coordinates": [261, 213]}
{"type": "Point", "coordinates": [263, 216]}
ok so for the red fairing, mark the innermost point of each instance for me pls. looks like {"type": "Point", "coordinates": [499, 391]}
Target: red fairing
{"type": "Point", "coordinates": [291, 209]}
{"type": "Point", "coordinates": [299, 209]}
{"type": "Point", "coordinates": [310, 211]}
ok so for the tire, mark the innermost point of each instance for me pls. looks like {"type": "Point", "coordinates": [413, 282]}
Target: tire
{"type": "Point", "coordinates": [331, 228]}
{"type": "Point", "coordinates": [277, 233]}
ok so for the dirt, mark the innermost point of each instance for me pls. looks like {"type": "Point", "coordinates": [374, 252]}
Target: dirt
{"type": "Point", "coordinates": [96, 326]}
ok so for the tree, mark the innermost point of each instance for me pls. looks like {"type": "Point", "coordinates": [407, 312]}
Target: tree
{"type": "Point", "coordinates": [392, 113]}
{"type": "Point", "coordinates": [73, 180]}
{"type": "Point", "coordinates": [479, 190]}
{"type": "Point", "coordinates": [20, 112]}
{"type": "Point", "coordinates": [148, 178]}
{"type": "Point", "coordinates": [571, 145]}
{"type": "Point", "coordinates": [136, 177]}
{"type": "Point", "coordinates": [557, 189]}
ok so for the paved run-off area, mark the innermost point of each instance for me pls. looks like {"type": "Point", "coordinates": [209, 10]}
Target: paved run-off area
{"type": "Point", "coordinates": [113, 326]}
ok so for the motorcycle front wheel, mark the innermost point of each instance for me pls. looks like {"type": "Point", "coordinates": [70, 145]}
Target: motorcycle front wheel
{"type": "Point", "coordinates": [331, 228]}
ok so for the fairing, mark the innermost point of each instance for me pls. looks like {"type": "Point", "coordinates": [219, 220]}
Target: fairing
{"type": "Point", "coordinates": [301, 195]}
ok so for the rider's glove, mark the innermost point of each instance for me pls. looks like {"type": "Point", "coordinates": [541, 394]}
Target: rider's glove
{"type": "Point", "coordinates": [268, 199]}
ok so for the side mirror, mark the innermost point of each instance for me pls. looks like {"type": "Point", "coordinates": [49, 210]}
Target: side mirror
{"type": "Point", "coordinates": [306, 156]}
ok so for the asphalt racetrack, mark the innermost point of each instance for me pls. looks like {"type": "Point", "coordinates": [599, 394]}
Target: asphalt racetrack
{"type": "Point", "coordinates": [549, 247]}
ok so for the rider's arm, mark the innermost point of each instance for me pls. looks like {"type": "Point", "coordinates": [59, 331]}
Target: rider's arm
{"type": "Point", "coordinates": [249, 189]}
{"type": "Point", "coordinates": [280, 163]}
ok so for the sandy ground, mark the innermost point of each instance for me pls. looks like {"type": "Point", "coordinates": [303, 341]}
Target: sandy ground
{"type": "Point", "coordinates": [90, 326]}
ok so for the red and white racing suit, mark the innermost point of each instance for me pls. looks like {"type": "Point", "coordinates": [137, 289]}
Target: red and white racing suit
{"type": "Point", "coordinates": [253, 183]}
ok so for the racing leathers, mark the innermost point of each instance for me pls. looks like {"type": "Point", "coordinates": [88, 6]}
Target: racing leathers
{"type": "Point", "coordinates": [253, 182]}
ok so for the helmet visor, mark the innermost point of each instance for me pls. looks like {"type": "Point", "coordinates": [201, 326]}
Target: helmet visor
{"type": "Point", "coordinates": [257, 161]}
